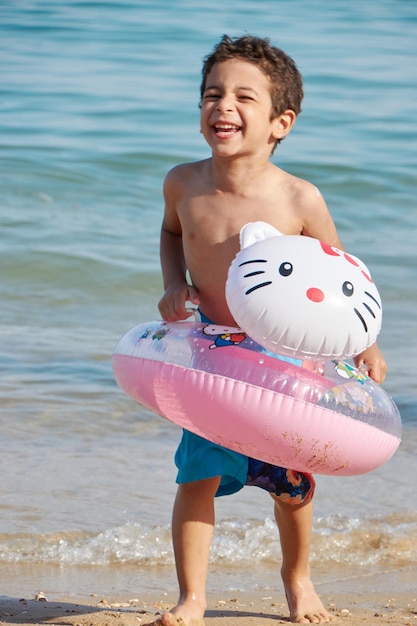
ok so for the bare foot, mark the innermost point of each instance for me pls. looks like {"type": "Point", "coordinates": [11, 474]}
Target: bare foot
{"type": "Point", "coordinates": [169, 619]}
{"type": "Point", "coordinates": [304, 604]}
{"type": "Point", "coordinates": [188, 612]}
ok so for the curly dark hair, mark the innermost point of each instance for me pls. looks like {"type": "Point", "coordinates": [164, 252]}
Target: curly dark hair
{"type": "Point", "coordinates": [278, 67]}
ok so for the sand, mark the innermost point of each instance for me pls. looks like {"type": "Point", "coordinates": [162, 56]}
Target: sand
{"type": "Point", "coordinates": [72, 597]}
{"type": "Point", "coordinates": [373, 608]}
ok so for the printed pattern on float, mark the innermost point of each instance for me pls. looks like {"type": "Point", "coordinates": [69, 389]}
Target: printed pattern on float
{"type": "Point", "coordinates": [317, 416]}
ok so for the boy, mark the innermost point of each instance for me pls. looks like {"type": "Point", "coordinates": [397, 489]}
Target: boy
{"type": "Point", "coordinates": [251, 94]}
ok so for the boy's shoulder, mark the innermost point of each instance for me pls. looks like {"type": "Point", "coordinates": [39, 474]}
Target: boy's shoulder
{"type": "Point", "coordinates": [300, 187]}
{"type": "Point", "coordinates": [184, 175]}
{"type": "Point", "coordinates": [185, 169]}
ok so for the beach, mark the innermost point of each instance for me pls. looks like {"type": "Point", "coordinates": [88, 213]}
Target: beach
{"type": "Point", "coordinates": [369, 602]}
{"type": "Point", "coordinates": [99, 102]}
{"type": "Point", "coordinates": [355, 598]}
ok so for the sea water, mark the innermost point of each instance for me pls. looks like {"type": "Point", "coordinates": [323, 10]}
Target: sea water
{"type": "Point", "coordinates": [98, 101]}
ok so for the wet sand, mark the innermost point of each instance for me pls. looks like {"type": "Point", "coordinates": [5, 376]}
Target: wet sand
{"type": "Point", "coordinates": [384, 599]}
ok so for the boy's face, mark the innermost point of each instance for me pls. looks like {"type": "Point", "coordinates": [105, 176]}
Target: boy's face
{"type": "Point", "coordinates": [236, 110]}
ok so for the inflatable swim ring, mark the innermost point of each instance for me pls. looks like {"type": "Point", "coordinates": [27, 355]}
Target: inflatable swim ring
{"type": "Point", "coordinates": [324, 417]}
{"type": "Point", "coordinates": [299, 296]}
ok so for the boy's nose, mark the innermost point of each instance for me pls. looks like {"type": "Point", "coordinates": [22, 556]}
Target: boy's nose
{"type": "Point", "coordinates": [224, 104]}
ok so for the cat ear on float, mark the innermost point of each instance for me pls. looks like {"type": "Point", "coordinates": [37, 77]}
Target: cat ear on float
{"type": "Point", "coordinates": [256, 231]}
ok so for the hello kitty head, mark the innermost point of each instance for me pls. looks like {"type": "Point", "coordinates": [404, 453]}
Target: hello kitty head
{"type": "Point", "coordinates": [216, 329]}
{"type": "Point", "coordinates": [301, 297]}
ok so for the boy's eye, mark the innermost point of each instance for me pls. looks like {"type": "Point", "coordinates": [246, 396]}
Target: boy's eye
{"type": "Point", "coordinates": [211, 96]}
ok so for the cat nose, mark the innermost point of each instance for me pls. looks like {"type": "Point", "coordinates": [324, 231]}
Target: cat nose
{"type": "Point", "coordinates": [315, 295]}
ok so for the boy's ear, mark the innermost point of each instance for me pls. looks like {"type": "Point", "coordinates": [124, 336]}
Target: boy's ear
{"type": "Point", "coordinates": [283, 123]}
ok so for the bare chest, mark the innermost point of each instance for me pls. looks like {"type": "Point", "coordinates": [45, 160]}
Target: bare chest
{"type": "Point", "coordinates": [214, 218]}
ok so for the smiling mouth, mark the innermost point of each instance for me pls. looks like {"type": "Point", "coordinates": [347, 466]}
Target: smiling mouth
{"type": "Point", "coordinates": [225, 130]}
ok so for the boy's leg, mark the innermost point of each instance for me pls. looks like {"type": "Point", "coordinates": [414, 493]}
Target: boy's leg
{"type": "Point", "coordinates": [192, 531]}
{"type": "Point", "coordinates": [295, 529]}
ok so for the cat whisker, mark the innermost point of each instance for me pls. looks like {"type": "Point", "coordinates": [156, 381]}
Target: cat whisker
{"type": "Point", "coordinates": [253, 261]}
{"type": "Point", "coordinates": [368, 308]}
{"type": "Point", "coordinates": [254, 274]}
{"type": "Point", "coordinates": [372, 298]}
{"type": "Point", "coordinates": [361, 319]}
{"type": "Point", "coordinates": [265, 284]}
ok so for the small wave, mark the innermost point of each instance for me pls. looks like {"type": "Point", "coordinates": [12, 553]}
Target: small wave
{"type": "Point", "coordinates": [389, 541]}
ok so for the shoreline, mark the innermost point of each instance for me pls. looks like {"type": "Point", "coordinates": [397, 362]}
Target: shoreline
{"type": "Point", "coordinates": [386, 598]}
{"type": "Point", "coordinates": [237, 609]}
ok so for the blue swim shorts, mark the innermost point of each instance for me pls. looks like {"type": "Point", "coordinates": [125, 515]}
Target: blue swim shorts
{"type": "Point", "coordinates": [198, 459]}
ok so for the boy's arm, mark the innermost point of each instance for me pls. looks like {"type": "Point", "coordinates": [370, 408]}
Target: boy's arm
{"type": "Point", "coordinates": [316, 219]}
{"type": "Point", "coordinates": [174, 270]}
{"type": "Point", "coordinates": [177, 290]}
{"type": "Point", "coordinates": [318, 223]}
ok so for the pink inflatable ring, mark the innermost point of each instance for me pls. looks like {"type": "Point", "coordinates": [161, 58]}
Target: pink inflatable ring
{"type": "Point", "coordinates": [324, 417]}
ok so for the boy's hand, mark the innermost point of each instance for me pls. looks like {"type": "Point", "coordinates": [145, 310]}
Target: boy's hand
{"type": "Point", "coordinates": [373, 360]}
{"type": "Point", "coordinates": [172, 304]}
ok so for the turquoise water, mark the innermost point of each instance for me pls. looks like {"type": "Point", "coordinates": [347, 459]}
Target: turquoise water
{"type": "Point", "coordinates": [98, 101]}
